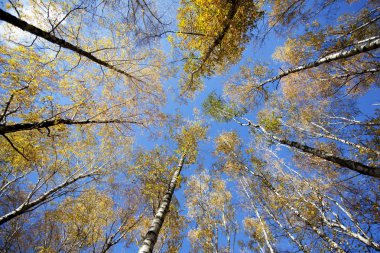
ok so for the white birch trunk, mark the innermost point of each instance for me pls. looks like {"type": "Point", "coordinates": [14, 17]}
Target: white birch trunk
{"type": "Point", "coordinates": [350, 164]}
{"type": "Point", "coordinates": [154, 230]}
{"type": "Point", "coordinates": [329, 58]}
{"type": "Point", "coordinates": [258, 215]}
{"type": "Point", "coordinates": [29, 204]}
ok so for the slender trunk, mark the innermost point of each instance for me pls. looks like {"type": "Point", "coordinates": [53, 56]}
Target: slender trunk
{"type": "Point", "coordinates": [299, 244]}
{"type": "Point", "coordinates": [29, 205]}
{"type": "Point", "coordinates": [329, 58]}
{"type": "Point", "coordinates": [338, 226]}
{"type": "Point", "coordinates": [228, 232]}
{"type": "Point", "coordinates": [4, 129]}
{"type": "Point", "coordinates": [9, 18]}
{"type": "Point", "coordinates": [216, 239]}
{"type": "Point", "coordinates": [350, 164]}
{"type": "Point", "coordinates": [360, 235]}
{"type": "Point", "coordinates": [257, 214]}
{"type": "Point", "coordinates": [154, 230]}
{"type": "Point", "coordinates": [320, 233]}
{"type": "Point", "coordinates": [329, 135]}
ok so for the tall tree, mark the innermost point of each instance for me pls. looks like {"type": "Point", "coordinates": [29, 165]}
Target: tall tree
{"type": "Point", "coordinates": [187, 141]}
{"type": "Point", "coordinates": [209, 204]}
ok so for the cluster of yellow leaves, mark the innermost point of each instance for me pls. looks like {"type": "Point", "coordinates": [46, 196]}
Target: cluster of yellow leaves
{"type": "Point", "coordinates": [212, 38]}
{"type": "Point", "coordinates": [153, 170]}
{"type": "Point", "coordinates": [228, 148]}
{"type": "Point", "coordinates": [84, 218]}
{"type": "Point", "coordinates": [188, 139]}
{"type": "Point", "coordinates": [227, 143]}
{"type": "Point", "coordinates": [293, 52]}
{"type": "Point", "coordinates": [256, 228]}
{"type": "Point", "coordinates": [201, 239]}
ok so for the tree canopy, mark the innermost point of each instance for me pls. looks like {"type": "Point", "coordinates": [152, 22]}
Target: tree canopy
{"type": "Point", "coordinates": [189, 126]}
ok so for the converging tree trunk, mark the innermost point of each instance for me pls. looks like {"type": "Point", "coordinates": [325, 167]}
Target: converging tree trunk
{"type": "Point", "coordinates": [154, 230]}
{"type": "Point", "coordinates": [347, 163]}
{"type": "Point", "coordinates": [344, 54]}
{"type": "Point", "coordinates": [9, 18]}
{"type": "Point", "coordinates": [11, 128]}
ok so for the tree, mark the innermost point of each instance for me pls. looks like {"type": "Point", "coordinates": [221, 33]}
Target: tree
{"type": "Point", "coordinates": [187, 141]}
{"type": "Point", "coordinates": [94, 159]}
{"type": "Point", "coordinates": [59, 111]}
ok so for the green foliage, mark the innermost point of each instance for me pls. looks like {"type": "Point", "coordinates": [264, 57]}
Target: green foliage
{"type": "Point", "coordinates": [270, 121]}
{"type": "Point", "coordinates": [218, 108]}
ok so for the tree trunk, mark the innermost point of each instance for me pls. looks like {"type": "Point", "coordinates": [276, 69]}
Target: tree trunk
{"type": "Point", "coordinates": [4, 129]}
{"type": "Point", "coordinates": [332, 244]}
{"type": "Point", "coordinates": [245, 185]}
{"type": "Point", "coordinates": [154, 230]}
{"type": "Point", "coordinates": [29, 205]}
{"type": "Point", "coordinates": [350, 164]}
{"type": "Point", "coordinates": [9, 18]}
{"type": "Point", "coordinates": [293, 238]}
{"type": "Point", "coordinates": [329, 58]}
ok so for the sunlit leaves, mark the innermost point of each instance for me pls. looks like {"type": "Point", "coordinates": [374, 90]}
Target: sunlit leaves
{"type": "Point", "coordinates": [188, 139]}
{"type": "Point", "coordinates": [84, 219]}
{"type": "Point", "coordinates": [255, 228]}
{"type": "Point", "coordinates": [213, 35]}
{"type": "Point", "coordinates": [209, 204]}
{"type": "Point", "coordinates": [227, 143]}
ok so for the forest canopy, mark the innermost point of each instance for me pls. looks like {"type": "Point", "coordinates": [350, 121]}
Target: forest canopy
{"type": "Point", "coordinates": [214, 126]}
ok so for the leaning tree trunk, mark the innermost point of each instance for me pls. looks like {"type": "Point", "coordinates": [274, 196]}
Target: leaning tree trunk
{"type": "Point", "coordinates": [154, 230]}
{"type": "Point", "coordinates": [347, 163]}
{"type": "Point", "coordinates": [372, 45]}
{"type": "Point", "coordinates": [12, 128]}
{"type": "Point", "coordinates": [9, 18]}
{"type": "Point", "coordinates": [332, 244]}
{"type": "Point", "coordinates": [29, 204]}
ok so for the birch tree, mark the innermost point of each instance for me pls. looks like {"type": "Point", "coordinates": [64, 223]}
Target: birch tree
{"type": "Point", "coordinates": [187, 141]}
{"type": "Point", "coordinates": [213, 36]}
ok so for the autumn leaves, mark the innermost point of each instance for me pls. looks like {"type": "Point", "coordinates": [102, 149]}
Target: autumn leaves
{"type": "Point", "coordinates": [304, 162]}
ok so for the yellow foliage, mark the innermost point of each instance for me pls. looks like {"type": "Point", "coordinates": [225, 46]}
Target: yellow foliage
{"type": "Point", "coordinates": [212, 37]}
{"type": "Point", "coordinates": [84, 218]}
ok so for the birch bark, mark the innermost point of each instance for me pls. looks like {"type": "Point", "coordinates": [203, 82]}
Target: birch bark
{"type": "Point", "coordinates": [154, 230]}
